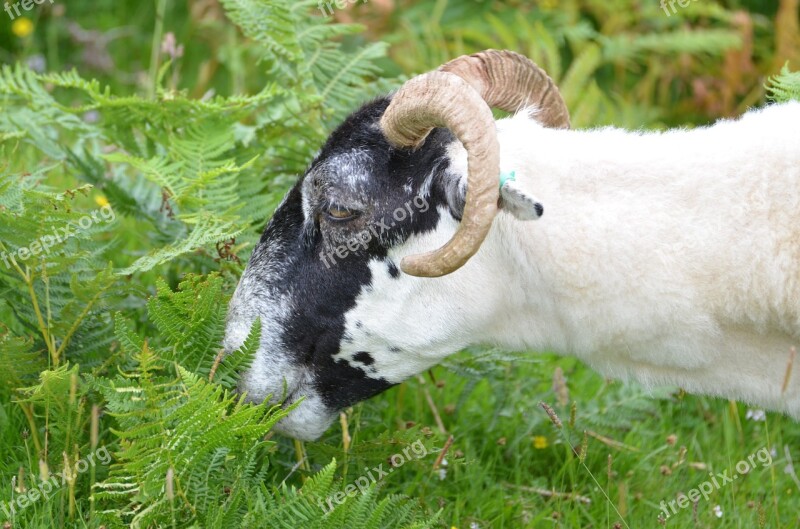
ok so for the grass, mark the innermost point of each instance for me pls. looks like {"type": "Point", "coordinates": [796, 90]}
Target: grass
{"type": "Point", "coordinates": [509, 466]}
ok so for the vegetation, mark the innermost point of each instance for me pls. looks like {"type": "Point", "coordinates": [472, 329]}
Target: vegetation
{"type": "Point", "coordinates": [134, 186]}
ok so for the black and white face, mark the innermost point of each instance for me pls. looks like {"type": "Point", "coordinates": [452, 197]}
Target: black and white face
{"type": "Point", "coordinates": [340, 321]}
{"type": "Point", "coordinates": [325, 279]}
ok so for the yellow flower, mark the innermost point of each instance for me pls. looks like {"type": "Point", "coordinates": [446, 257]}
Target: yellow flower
{"type": "Point", "coordinates": [22, 27]}
{"type": "Point", "coordinates": [101, 201]}
{"type": "Point", "coordinates": [540, 442]}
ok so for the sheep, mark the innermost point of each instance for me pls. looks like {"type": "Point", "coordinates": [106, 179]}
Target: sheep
{"type": "Point", "coordinates": [669, 258]}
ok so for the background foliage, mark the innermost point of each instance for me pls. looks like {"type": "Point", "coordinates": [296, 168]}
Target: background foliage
{"type": "Point", "coordinates": [188, 121]}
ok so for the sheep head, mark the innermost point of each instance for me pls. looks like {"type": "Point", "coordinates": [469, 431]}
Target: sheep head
{"type": "Point", "coordinates": [403, 174]}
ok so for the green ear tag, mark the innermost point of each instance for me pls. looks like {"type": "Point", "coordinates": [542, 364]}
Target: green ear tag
{"type": "Point", "coordinates": [505, 177]}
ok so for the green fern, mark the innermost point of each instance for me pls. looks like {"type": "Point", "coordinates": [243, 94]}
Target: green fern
{"type": "Point", "coordinates": [53, 267]}
{"type": "Point", "coordinates": [169, 418]}
{"type": "Point", "coordinates": [19, 362]}
{"type": "Point", "coordinates": [60, 393]}
{"type": "Point", "coordinates": [305, 49]}
{"type": "Point", "coordinates": [191, 320]}
{"type": "Point", "coordinates": [784, 87]}
{"type": "Point", "coordinates": [206, 441]}
{"type": "Point", "coordinates": [311, 506]}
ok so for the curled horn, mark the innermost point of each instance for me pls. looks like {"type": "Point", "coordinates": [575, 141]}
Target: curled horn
{"type": "Point", "coordinates": [459, 96]}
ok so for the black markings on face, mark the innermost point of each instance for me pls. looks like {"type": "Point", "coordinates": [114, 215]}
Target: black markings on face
{"type": "Point", "coordinates": [318, 294]}
{"type": "Point", "coordinates": [364, 357]}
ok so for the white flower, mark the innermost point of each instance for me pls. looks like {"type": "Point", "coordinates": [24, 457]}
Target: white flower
{"type": "Point", "coordinates": [756, 415]}
{"type": "Point", "coordinates": [717, 511]}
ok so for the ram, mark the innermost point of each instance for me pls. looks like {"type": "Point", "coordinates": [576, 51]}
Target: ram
{"type": "Point", "coordinates": [670, 258]}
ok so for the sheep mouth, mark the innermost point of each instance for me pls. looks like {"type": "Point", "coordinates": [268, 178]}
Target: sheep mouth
{"type": "Point", "coordinates": [295, 393]}
{"type": "Point", "coordinates": [308, 419]}
{"type": "Point", "coordinates": [290, 398]}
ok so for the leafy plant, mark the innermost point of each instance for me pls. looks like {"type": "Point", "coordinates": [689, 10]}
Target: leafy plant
{"type": "Point", "coordinates": [181, 183]}
{"type": "Point", "coordinates": [785, 87]}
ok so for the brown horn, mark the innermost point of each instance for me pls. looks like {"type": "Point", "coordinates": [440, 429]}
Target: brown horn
{"type": "Point", "coordinates": [459, 96]}
{"type": "Point", "coordinates": [510, 81]}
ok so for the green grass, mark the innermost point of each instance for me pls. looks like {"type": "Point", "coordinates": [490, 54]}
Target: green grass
{"type": "Point", "coordinates": [494, 466]}
{"type": "Point", "coordinates": [495, 474]}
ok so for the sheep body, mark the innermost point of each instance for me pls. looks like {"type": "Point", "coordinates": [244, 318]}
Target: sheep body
{"type": "Point", "coordinates": [668, 257]}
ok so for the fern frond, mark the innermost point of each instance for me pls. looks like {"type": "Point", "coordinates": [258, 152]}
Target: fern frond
{"type": "Point", "coordinates": [178, 422]}
{"type": "Point", "coordinates": [784, 87]}
{"type": "Point", "coordinates": [207, 231]}
{"type": "Point", "coordinates": [20, 363]}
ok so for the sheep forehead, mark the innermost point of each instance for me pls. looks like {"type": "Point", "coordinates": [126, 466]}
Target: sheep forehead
{"type": "Point", "coordinates": [350, 167]}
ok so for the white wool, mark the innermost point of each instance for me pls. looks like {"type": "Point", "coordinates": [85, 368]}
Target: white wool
{"type": "Point", "coordinates": [670, 258]}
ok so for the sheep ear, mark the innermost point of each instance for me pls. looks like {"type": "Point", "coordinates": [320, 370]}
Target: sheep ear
{"type": "Point", "coordinates": [519, 203]}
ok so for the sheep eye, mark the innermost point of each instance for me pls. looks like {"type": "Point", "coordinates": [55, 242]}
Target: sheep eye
{"type": "Point", "coordinates": [339, 213]}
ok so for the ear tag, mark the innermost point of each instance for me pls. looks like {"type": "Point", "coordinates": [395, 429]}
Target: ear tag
{"type": "Point", "coordinates": [507, 177]}
{"type": "Point", "coordinates": [516, 201]}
